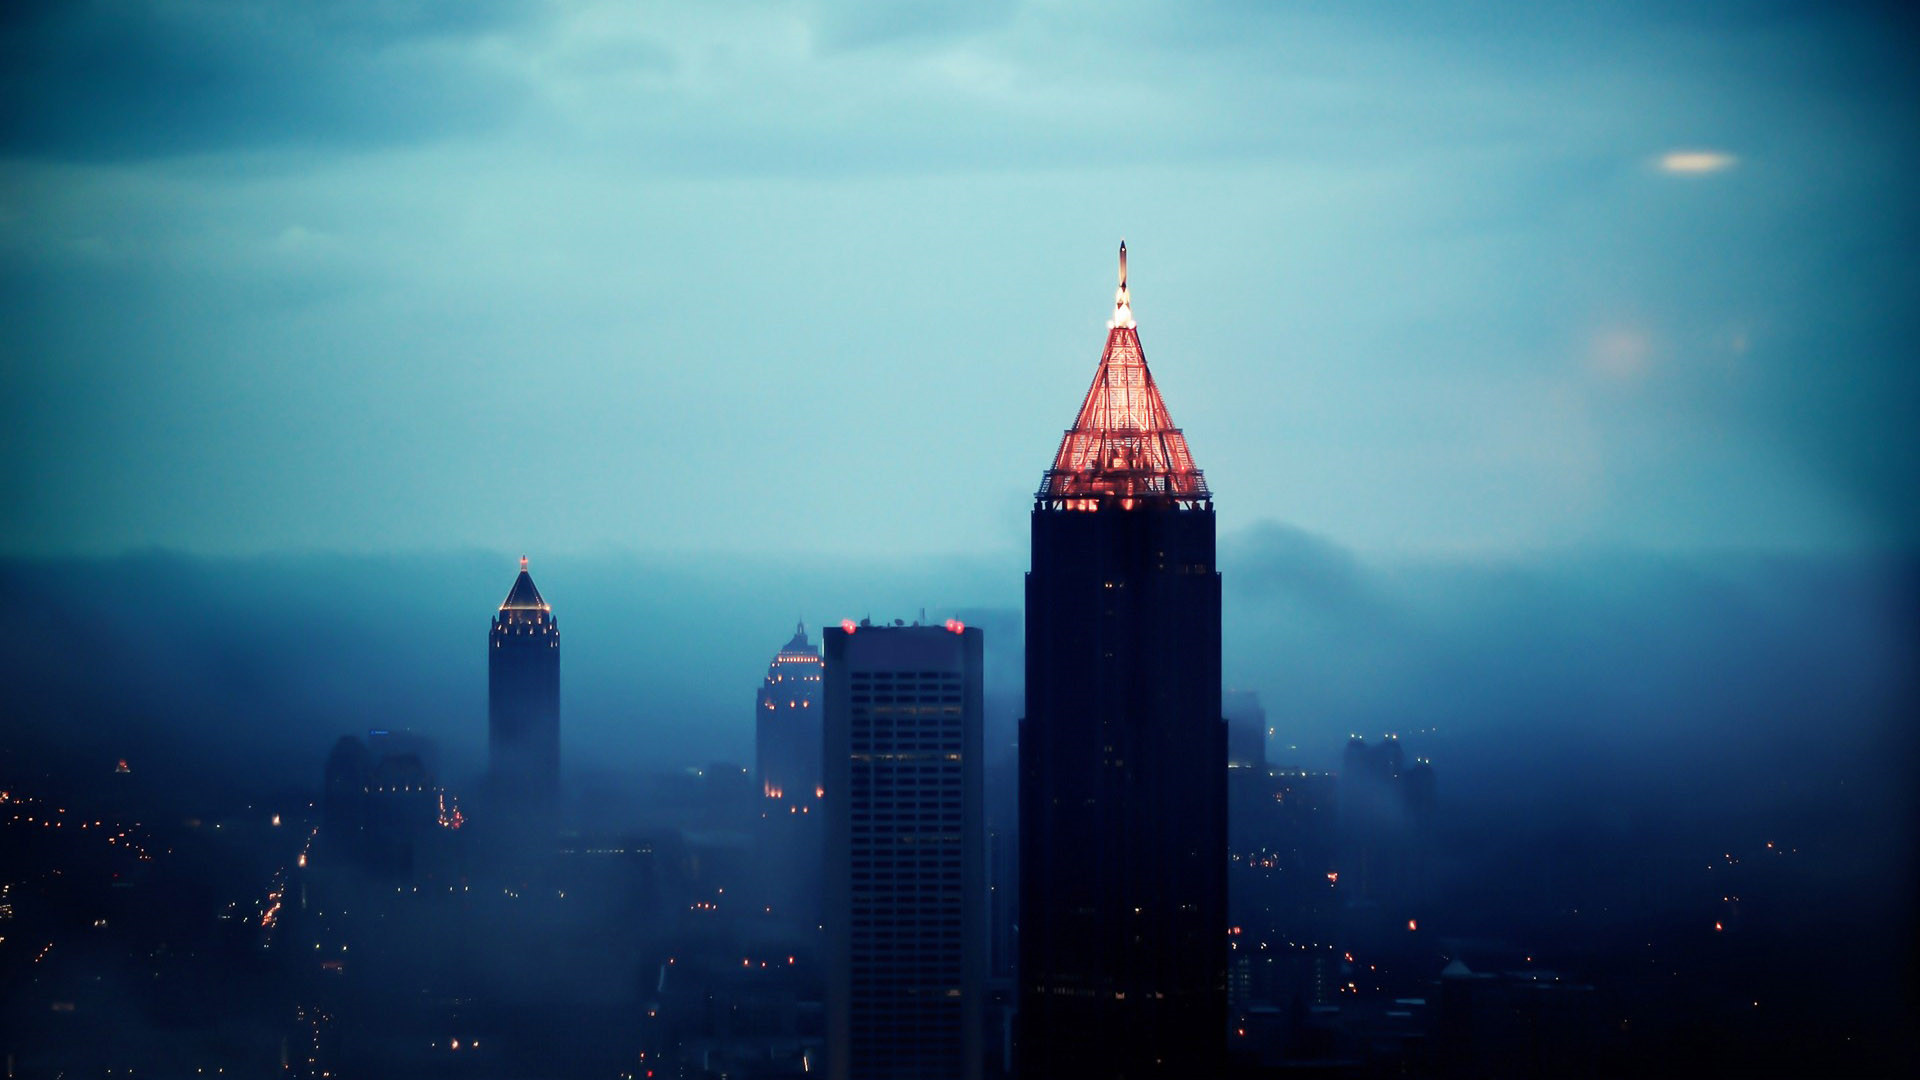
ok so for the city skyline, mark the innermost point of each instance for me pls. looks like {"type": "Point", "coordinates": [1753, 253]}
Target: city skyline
{"type": "Point", "coordinates": [1524, 689]}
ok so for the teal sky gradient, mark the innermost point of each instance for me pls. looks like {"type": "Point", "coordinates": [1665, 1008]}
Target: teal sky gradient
{"type": "Point", "coordinates": [831, 279]}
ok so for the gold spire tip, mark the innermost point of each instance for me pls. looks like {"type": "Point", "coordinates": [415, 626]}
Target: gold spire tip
{"type": "Point", "coordinates": [1122, 301]}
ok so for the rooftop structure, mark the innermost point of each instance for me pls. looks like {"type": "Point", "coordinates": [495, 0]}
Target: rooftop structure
{"type": "Point", "coordinates": [1123, 445]}
{"type": "Point", "coordinates": [523, 598]}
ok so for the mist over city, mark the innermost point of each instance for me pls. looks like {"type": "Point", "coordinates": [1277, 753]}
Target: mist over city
{"type": "Point", "coordinates": [566, 540]}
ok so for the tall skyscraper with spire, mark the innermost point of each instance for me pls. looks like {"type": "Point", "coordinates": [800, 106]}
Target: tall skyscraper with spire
{"type": "Point", "coordinates": [523, 700]}
{"type": "Point", "coordinates": [1123, 760]}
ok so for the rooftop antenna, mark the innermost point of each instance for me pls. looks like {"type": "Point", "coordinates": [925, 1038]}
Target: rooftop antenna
{"type": "Point", "coordinates": [1122, 300]}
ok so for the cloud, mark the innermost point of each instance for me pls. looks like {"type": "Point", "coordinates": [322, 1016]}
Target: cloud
{"type": "Point", "coordinates": [1275, 563]}
{"type": "Point", "coordinates": [100, 80]}
{"type": "Point", "coordinates": [1377, 260]}
{"type": "Point", "coordinates": [1596, 653]}
{"type": "Point", "coordinates": [856, 24]}
{"type": "Point", "coordinates": [1621, 353]}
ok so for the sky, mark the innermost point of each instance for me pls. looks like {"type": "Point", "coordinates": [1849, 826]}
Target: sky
{"type": "Point", "coordinates": [829, 280]}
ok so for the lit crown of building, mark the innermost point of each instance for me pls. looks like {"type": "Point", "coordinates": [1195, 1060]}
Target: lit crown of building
{"type": "Point", "coordinates": [524, 604]}
{"type": "Point", "coordinates": [1123, 447]}
{"type": "Point", "coordinates": [796, 651]}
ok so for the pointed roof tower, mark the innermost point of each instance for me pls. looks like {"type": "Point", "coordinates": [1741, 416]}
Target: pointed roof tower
{"type": "Point", "coordinates": [523, 596]}
{"type": "Point", "coordinates": [1123, 447]}
{"type": "Point", "coordinates": [798, 647]}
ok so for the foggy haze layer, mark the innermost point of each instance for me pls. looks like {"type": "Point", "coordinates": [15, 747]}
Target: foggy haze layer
{"type": "Point", "coordinates": [1550, 673]}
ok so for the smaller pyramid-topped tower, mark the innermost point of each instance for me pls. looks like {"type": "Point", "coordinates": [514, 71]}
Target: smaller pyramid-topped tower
{"type": "Point", "coordinates": [787, 741]}
{"type": "Point", "coordinates": [523, 699]}
{"type": "Point", "coordinates": [787, 723]}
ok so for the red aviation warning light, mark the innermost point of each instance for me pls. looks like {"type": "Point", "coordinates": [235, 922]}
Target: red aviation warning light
{"type": "Point", "coordinates": [1123, 449]}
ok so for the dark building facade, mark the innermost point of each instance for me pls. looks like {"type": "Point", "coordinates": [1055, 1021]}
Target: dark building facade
{"type": "Point", "coordinates": [786, 728]}
{"type": "Point", "coordinates": [1123, 756]}
{"type": "Point", "coordinates": [383, 810]}
{"type": "Point", "coordinates": [786, 739]}
{"type": "Point", "coordinates": [1386, 817]}
{"type": "Point", "coordinates": [906, 853]}
{"type": "Point", "coordinates": [523, 701]}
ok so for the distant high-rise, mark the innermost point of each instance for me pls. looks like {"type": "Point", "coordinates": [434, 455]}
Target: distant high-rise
{"type": "Point", "coordinates": [786, 730]}
{"type": "Point", "coordinates": [1385, 808]}
{"type": "Point", "coordinates": [523, 699]}
{"type": "Point", "coordinates": [906, 858]}
{"type": "Point", "coordinates": [1246, 730]}
{"type": "Point", "coordinates": [791, 828]}
{"type": "Point", "coordinates": [1123, 758]}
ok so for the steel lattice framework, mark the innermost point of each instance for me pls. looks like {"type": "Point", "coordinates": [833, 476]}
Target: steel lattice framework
{"type": "Point", "coordinates": [1123, 448]}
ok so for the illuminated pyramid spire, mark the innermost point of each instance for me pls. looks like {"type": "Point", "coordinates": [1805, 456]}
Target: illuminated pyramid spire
{"type": "Point", "coordinates": [523, 596]}
{"type": "Point", "coordinates": [1123, 448]}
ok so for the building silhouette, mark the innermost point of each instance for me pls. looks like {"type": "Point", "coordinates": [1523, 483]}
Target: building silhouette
{"type": "Point", "coordinates": [789, 833]}
{"type": "Point", "coordinates": [383, 810]}
{"type": "Point", "coordinates": [1246, 730]}
{"type": "Point", "coordinates": [786, 729]}
{"type": "Point", "coordinates": [1387, 809]}
{"type": "Point", "coordinates": [1123, 758]}
{"type": "Point", "coordinates": [523, 702]}
{"type": "Point", "coordinates": [906, 858]}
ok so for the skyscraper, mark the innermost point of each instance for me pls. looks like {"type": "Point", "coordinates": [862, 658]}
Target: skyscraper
{"type": "Point", "coordinates": [786, 729]}
{"type": "Point", "coordinates": [791, 828]}
{"type": "Point", "coordinates": [523, 700]}
{"type": "Point", "coordinates": [906, 858]}
{"type": "Point", "coordinates": [1123, 749]}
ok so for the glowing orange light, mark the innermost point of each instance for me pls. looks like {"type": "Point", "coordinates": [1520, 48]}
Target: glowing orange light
{"type": "Point", "coordinates": [1413, 924]}
{"type": "Point", "coordinates": [1696, 162]}
{"type": "Point", "coordinates": [956, 626]}
{"type": "Point", "coordinates": [847, 625]}
{"type": "Point", "coordinates": [1123, 445]}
